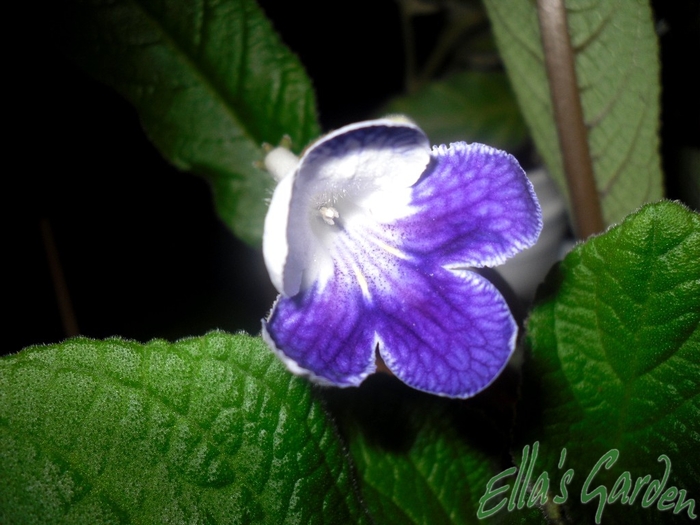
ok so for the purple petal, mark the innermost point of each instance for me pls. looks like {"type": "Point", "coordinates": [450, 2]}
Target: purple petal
{"type": "Point", "coordinates": [447, 332]}
{"type": "Point", "coordinates": [476, 208]}
{"type": "Point", "coordinates": [324, 333]}
{"type": "Point", "coordinates": [365, 259]}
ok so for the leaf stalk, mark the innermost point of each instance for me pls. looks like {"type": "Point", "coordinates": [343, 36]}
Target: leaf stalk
{"type": "Point", "coordinates": [568, 115]}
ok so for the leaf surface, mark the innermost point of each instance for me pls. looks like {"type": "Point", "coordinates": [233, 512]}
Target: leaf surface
{"type": "Point", "coordinates": [617, 67]}
{"type": "Point", "coordinates": [206, 430]}
{"type": "Point", "coordinates": [211, 82]}
{"type": "Point", "coordinates": [615, 361]}
{"type": "Point", "coordinates": [423, 459]}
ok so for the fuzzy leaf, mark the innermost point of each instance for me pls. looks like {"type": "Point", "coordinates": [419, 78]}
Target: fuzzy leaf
{"type": "Point", "coordinates": [617, 67]}
{"type": "Point", "coordinates": [206, 430]}
{"type": "Point", "coordinates": [423, 459]}
{"type": "Point", "coordinates": [211, 82]}
{"type": "Point", "coordinates": [615, 362]}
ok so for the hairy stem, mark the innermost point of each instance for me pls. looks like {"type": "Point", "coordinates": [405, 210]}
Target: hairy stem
{"type": "Point", "coordinates": [568, 115]}
{"type": "Point", "coordinates": [65, 306]}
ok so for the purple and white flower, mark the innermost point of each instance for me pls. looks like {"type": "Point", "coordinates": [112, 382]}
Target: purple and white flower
{"type": "Point", "coordinates": [369, 240]}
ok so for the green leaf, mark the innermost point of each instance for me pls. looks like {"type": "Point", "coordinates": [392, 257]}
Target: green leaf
{"type": "Point", "coordinates": [617, 66]}
{"type": "Point", "coordinates": [472, 106]}
{"type": "Point", "coordinates": [615, 342]}
{"type": "Point", "coordinates": [207, 430]}
{"type": "Point", "coordinates": [422, 459]}
{"type": "Point", "coordinates": [211, 82]}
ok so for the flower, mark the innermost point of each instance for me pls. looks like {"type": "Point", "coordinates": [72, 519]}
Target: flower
{"type": "Point", "coordinates": [369, 239]}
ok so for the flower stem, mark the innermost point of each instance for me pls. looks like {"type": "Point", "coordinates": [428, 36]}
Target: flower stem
{"type": "Point", "coordinates": [408, 45]}
{"type": "Point", "coordinates": [568, 115]}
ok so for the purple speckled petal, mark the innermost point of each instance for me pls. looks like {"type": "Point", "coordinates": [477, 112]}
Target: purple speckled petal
{"type": "Point", "coordinates": [369, 253]}
{"type": "Point", "coordinates": [446, 332]}
{"type": "Point", "coordinates": [475, 206]}
{"type": "Point", "coordinates": [324, 334]}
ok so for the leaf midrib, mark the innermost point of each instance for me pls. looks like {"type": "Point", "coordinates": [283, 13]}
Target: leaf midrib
{"type": "Point", "coordinates": [211, 87]}
{"type": "Point", "coordinates": [657, 250]}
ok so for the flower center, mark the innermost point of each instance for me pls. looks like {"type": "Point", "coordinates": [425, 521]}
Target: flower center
{"type": "Point", "coordinates": [328, 214]}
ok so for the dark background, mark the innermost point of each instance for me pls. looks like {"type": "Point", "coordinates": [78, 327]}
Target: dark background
{"type": "Point", "coordinates": [143, 252]}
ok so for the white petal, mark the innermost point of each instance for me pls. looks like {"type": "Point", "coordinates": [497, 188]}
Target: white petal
{"type": "Point", "coordinates": [346, 159]}
{"type": "Point", "coordinates": [364, 169]}
{"type": "Point", "coordinates": [275, 246]}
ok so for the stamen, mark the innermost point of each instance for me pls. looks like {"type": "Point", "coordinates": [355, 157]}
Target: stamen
{"type": "Point", "coordinates": [329, 214]}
